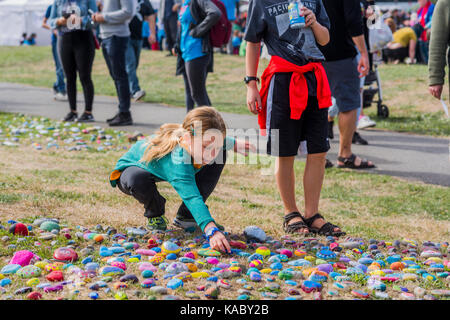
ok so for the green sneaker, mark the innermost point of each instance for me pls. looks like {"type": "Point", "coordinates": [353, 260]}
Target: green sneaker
{"type": "Point", "coordinates": [158, 223]}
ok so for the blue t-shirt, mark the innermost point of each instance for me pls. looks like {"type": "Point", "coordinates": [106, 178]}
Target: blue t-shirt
{"type": "Point", "coordinates": [191, 48]}
{"type": "Point", "coordinates": [230, 6]}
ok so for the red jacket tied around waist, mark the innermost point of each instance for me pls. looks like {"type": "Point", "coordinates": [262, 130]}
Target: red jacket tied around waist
{"type": "Point", "coordinates": [298, 89]}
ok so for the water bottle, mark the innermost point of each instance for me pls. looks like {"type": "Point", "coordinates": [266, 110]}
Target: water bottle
{"type": "Point", "coordinates": [296, 20]}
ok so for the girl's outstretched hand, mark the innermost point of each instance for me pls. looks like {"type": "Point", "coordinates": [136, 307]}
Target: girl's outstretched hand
{"type": "Point", "coordinates": [219, 242]}
{"type": "Point", "coordinates": [243, 147]}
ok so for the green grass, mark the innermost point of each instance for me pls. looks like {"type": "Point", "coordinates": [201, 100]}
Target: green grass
{"type": "Point", "coordinates": [405, 89]}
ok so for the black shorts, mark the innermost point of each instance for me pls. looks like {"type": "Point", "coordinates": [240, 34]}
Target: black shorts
{"type": "Point", "coordinates": [286, 135]}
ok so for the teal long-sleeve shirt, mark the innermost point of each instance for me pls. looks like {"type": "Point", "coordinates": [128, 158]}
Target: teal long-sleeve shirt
{"type": "Point", "coordinates": [177, 169]}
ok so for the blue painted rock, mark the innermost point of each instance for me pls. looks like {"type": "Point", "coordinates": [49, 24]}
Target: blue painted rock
{"type": "Point", "coordinates": [310, 286]}
{"type": "Point", "coordinates": [94, 295]}
{"type": "Point", "coordinates": [148, 283]}
{"type": "Point", "coordinates": [255, 233]}
{"type": "Point", "coordinates": [111, 271]}
{"type": "Point", "coordinates": [360, 294]}
{"type": "Point", "coordinates": [171, 256]}
{"type": "Point", "coordinates": [29, 271]}
{"type": "Point", "coordinates": [129, 278]}
{"type": "Point", "coordinates": [10, 269]}
{"type": "Point", "coordinates": [325, 268]}
{"type": "Point", "coordinates": [255, 277]}
{"type": "Point", "coordinates": [176, 267]}
{"type": "Point", "coordinates": [147, 274]}
{"type": "Point", "coordinates": [174, 284]}
{"type": "Point", "coordinates": [325, 254]}
{"type": "Point", "coordinates": [299, 263]}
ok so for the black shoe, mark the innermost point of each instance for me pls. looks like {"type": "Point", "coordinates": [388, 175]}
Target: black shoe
{"type": "Point", "coordinates": [358, 140]}
{"type": "Point", "coordinates": [328, 164]}
{"type": "Point", "coordinates": [330, 130]}
{"type": "Point", "coordinates": [71, 116]}
{"type": "Point", "coordinates": [86, 117]}
{"type": "Point", "coordinates": [122, 119]}
{"type": "Point", "coordinates": [111, 119]}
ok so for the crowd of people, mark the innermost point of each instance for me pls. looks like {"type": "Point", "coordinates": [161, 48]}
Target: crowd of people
{"type": "Point", "coordinates": [314, 76]}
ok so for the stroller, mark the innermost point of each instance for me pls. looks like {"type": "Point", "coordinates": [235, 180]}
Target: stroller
{"type": "Point", "coordinates": [372, 87]}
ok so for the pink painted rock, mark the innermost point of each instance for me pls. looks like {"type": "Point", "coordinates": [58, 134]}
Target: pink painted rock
{"type": "Point", "coordinates": [24, 258]}
{"type": "Point", "coordinates": [55, 276]}
{"type": "Point", "coordinates": [190, 255]}
{"type": "Point", "coordinates": [147, 266]}
{"type": "Point", "coordinates": [145, 252]}
{"type": "Point", "coordinates": [65, 254]}
{"type": "Point", "coordinates": [119, 264]}
{"type": "Point", "coordinates": [53, 289]}
{"type": "Point", "coordinates": [286, 252]}
{"type": "Point", "coordinates": [212, 260]}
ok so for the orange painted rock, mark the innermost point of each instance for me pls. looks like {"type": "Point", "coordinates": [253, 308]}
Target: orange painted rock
{"type": "Point", "coordinates": [397, 266]}
{"type": "Point", "coordinates": [55, 276]}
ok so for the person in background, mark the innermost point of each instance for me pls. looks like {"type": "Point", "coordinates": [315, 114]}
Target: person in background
{"type": "Point", "coordinates": [439, 46]}
{"type": "Point", "coordinates": [232, 7]}
{"type": "Point", "coordinates": [344, 72]}
{"type": "Point", "coordinates": [144, 11]}
{"type": "Point", "coordinates": [194, 50]}
{"type": "Point", "coordinates": [59, 87]}
{"type": "Point", "coordinates": [76, 47]}
{"type": "Point", "coordinates": [31, 40]}
{"type": "Point", "coordinates": [115, 34]}
{"type": "Point", "coordinates": [424, 17]}
{"type": "Point", "coordinates": [403, 44]}
{"type": "Point", "coordinates": [24, 38]}
{"type": "Point", "coordinates": [168, 15]}
{"type": "Point", "coordinates": [236, 40]}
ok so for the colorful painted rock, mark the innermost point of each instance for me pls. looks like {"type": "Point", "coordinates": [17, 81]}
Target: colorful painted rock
{"type": "Point", "coordinates": [49, 226]}
{"type": "Point", "coordinates": [55, 276]}
{"type": "Point", "coordinates": [310, 286]}
{"type": "Point", "coordinates": [19, 229]}
{"type": "Point", "coordinates": [65, 254]}
{"type": "Point", "coordinates": [360, 294]}
{"type": "Point", "coordinates": [10, 269]}
{"type": "Point", "coordinates": [111, 271]}
{"type": "Point", "coordinates": [264, 251]}
{"type": "Point", "coordinates": [170, 247]}
{"type": "Point", "coordinates": [24, 258]}
{"type": "Point", "coordinates": [174, 284]}
{"type": "Point", "coordinates": [208, 253]}
{"type": "Point", "coordinates": [29, 271]}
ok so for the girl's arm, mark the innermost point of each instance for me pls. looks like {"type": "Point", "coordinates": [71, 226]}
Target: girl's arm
{"type": "Point", "coordinates": [54, 21]}
{"type": "Point", "coordinates": [213, 15]}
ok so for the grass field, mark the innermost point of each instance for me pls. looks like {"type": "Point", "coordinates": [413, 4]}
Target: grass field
{"type": "Point", "coordinates": [405, 88]}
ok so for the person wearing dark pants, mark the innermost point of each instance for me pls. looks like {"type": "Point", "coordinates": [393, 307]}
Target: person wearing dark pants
{"type": "Point", "coordinates": [193, 47]}
{"type": "Point", "coordinates": [76, 50]}
{"type": "Point", "coordinates": [141, 184]}
{"type": "Point", "coordinates": [167, 14]}
{"type": "Point", "coordinates": [115, 35]}
{"type": "Point", "coordinates": [144, 11]}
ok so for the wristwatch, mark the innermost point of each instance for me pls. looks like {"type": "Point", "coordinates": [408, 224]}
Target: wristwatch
{"type": "Point", "coordinates": [211, 232]}
{"type": "Point", "coordinates": [247, 79]}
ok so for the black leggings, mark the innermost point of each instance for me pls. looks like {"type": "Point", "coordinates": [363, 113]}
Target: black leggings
{"type": "Point", "coordinates": [141, 184]}
{"type": "Point", "coordinates": [194, 76]}
{"type": "Point", "coordinates": [77, 51]}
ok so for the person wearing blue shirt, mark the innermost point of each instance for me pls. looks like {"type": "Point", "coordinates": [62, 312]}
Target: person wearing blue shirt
{"type": "Point", "coordinates": [76, 47]}
{"type": "Point", "coordinates": [232, 7]}
{"type": "Point", "coordinates": [59, 87]}
{"type": "Point", "coordinates": [195, 54]}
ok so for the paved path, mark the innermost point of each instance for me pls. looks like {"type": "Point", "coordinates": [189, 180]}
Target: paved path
{"type": "Point", "coordinates": [404, 155]}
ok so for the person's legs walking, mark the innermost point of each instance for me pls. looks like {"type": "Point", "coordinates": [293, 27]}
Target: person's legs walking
{"type": "Point", "coordinates": [114, 49]}
{"type": "Point", "coordinates": [188, 97]}
{"type": "Point", "coordinates": [66, 53]}
{"type": "Point", "coordinates": [84, 57]}
{"type": "Point", "coordinates": [196, 71]}
{"type": "Point", "coordinates": [59, 86]}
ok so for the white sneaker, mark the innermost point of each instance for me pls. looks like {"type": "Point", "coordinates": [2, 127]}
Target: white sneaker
{"type": "Point", "coordinates": [139, 95]}
{"type": "Point", "coordinates": [365, 122]}
{"type": "Point", "coordinates": [60, 97]}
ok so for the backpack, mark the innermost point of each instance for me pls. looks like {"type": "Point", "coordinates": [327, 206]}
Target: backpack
{"type": "Point", "coordinates": [220, 33]}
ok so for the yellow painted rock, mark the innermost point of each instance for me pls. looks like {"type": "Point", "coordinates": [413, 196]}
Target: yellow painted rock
{"type": "Point", "coordinates": [310, 258]}
{"type": "Point", "coordinates": [377, 273]}
{"type": "Point", "coordinates": [41, 264]}
{"type": "Point", "coordinates": [134, 259]}
{"type": "Point", "coordinates": [200, 274]}
{"type": "Point", "coordinates": [410, 277]}
{"type": "Point", "coordinates": [191, 267]}
{"type": "Point", "coordinates": [307, 272]}
{"type": "Point", "coordinates": [267, 270]}
{"type": "Point", "coordinates": [33, 282]}
{"type": "Point", "coordinates": [300, 253]}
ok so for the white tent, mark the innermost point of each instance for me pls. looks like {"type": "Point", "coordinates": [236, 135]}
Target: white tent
{"type": "Point", "coordinates": [23, 16]}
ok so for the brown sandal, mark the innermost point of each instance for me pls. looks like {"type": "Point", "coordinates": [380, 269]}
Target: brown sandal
{"type": "Point", "coordinates": [294, 227]}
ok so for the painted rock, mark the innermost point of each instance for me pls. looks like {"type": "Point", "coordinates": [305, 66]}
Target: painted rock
{"type": "Point", "coordinates": [24, 258]}
{"type": "Point", "coordinates": [145, 252]}
{"type": "Point", "coordinates": [129, 278]}
{"type": "Point", "coordinates": [55, 276]}
{"type": "Point", "coordinates": [65, 254]}
{"type": "Point", "coordinates": [49, 226]}
{"type": "Point", "coordinates": [29, 271]}
{"type": "Point", "coordinates": [255, 233]}
{"type": "Point", "coordinates": [310, 286]}
{"type": "Point", "coordinates": [264, 251]}
{"type": "Point", "coordinates": [157, 259]}
{"type": "Point", "coordinates": [147, 266]}
{"type": "Point", "coordinates": [158, 290]}
{"type": "Point", "coordinates": [237, 244]}
{"type": "Point", "coordinates": [111, 271]}
{"type": "Point", "coordinates": [212, 292]}
{"type": "Point", "coordinates": [208, 253]}
{"type": "Point", "coordinates": [119, 264]}
{"type": "Point", "coordinates": [34, 295]}
{"type": "Point", "coordinates": [255, 277]}
{"type": "Point", "coordinates": [326, 254]}
{"type": "Point", "coordinates": [10, 269]}
{"type": "Point", "coordinates": [148, 283]}
{"type": "Point", "coordinates": [176, 267]}
{"type": "Point", "coordinates": [174, 284]}
{"type": "Point", "coordinates": [170, 247]}
{"type": "Point", "coordinates": [19, 229]}
{"type": "Point", "coordinates": [360, 294]}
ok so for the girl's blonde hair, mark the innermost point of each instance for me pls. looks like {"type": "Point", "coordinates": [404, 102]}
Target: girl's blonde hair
{"type": "Point", "coordinates": [169, 134]}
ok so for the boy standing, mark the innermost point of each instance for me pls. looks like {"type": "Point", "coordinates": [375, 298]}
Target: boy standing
{"type": "Point", "coordinates": [293, 101]}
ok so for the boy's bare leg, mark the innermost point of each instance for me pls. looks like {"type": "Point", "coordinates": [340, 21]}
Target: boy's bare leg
{"type": "Point", "coordinates": [285, 178]}
{"type": "Point", "coordinates": [312, 185]}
